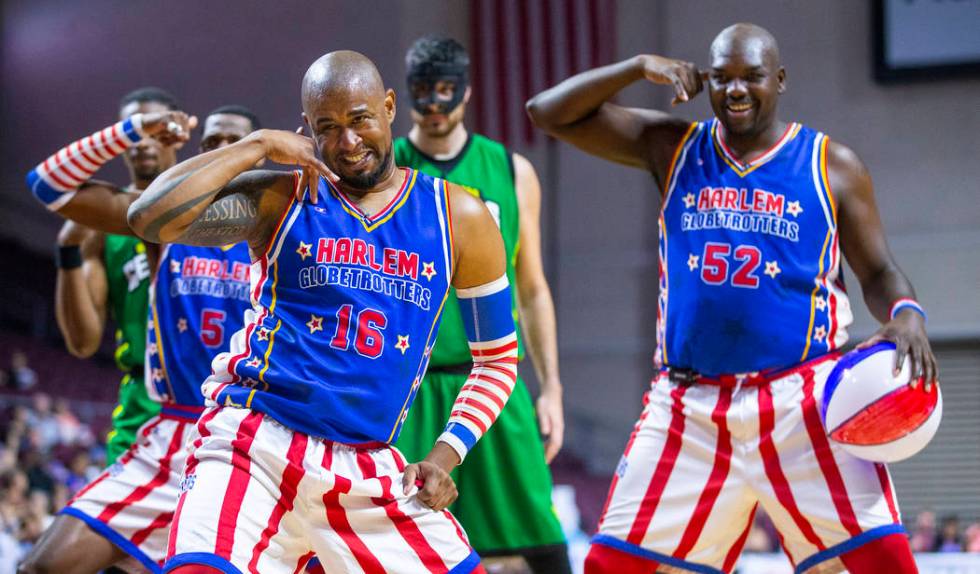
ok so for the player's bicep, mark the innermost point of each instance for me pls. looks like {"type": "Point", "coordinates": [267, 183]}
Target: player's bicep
{"type": "Point", "coordinates": [862, 235]}
{"type": "Point", "coordinates": [101, 206]}
{"type": "Point", "coordinates": [479, 256]}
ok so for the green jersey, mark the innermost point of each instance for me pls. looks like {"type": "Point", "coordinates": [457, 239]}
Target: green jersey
{"type": "Point", "coordinates": [128, 274]}
{"type": "Point", "coordinates": [484, 168]}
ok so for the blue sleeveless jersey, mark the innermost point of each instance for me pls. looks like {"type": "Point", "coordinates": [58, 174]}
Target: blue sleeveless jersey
{"type": "Point", "coordinates": [345, 312]}
{"type": "Point", "coordinates": [196, 304]}
{"type": "Point", "coordinates": [749, 258]}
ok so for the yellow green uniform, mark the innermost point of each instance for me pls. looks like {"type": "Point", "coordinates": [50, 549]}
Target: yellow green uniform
{"type": "Point", "coordinates": [128, 274]}
{"type": "Point", "coordinates": [504, 485]}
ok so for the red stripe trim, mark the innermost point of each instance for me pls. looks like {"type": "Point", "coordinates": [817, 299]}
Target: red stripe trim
{"type": "Point", "coordinates": [489, 394]}
{"type": "Point", "coordinates": [337, 517]}
{"type": "Point", "coordinates": [241, 462]}
{"type": "Point", "coordinates": [719, 472]}
{"type": "Point", "coordinates": [473, 419]}
{"type": "Point", "coordinates": [122, 460]}
{"type": "Point", "coordinates": [770, 459]}
{"type": "Point", "coordinates": [825, 457]}
{"type": "Point", "coordinates": [626, 453]}
{"type": "Point", "coordinates": [500, 385]}
{"type": "Point", "coordinates": [160, 478]}
{"type": "Point", "coordinates": [400, 461]}
{"type": "Point", "coordinates": [511, 372]}
{"type": "Point", "coordinates": [459, 530]}
{"type": "Point", "coordinates": [736, 550]}
{"type": "Point", "coordinates": [303, 561]}
{"type": "Point", "coordinates": [161, 521]}
{"type": "Point", "coordinates": [721, 141]}
{"type": "Point", "coordinates": [494, 350]}
{"type": "Point", "coordinates": [63, 183]}
{"type": "Point", "coordinates": [665, 466]}
{"type": "Point", "coordinates": [886, 490]}
{"type": "Point", "coordinates": [288, 485]}
{"type": "Point", "coordinates": [478, 405]}
{"type": "Point", "coordinates": [86, 173]}
{"type": "Point", "coordinates": [384, 211]}
{"type": "Point", "coordinates": [189, 467]}
{"type": "Point", "coordinates": [404, 524]}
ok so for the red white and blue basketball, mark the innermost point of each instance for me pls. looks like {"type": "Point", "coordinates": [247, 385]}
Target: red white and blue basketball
{"type": "Point", "coordinates": [874, 414]}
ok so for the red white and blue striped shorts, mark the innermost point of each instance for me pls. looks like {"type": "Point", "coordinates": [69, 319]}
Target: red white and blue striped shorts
{"type": "Point", "coordinates": [259, 497]}
{"type": "Point", "coordinates": [703, 457]}
{"type": "Point", "coordinates": [132, 502]}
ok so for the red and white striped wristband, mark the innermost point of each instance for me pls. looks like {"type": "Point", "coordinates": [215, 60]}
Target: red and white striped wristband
{"type": "Point", "coordinates": [55, 180]}
{"type": "Point", "coordinates": [906, 303]}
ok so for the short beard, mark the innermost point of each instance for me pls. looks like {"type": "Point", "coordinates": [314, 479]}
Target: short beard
{"type": "Point", "coordinates": [367, 181]}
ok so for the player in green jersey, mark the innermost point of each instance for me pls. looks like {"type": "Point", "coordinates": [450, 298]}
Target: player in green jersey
{"type": "Point", "coordinates": [104, 275]}
{"type": "Point", "coordinates": [504, 486]}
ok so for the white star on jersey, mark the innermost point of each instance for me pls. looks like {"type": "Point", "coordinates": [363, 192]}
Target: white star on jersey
{"type": "Point", "coordinates": [151, 348]}
{"type": "Point", "coordinates": [820, 333]}
{"type": "Point", "coordinates": [793, 208]}
{"type": "Point", "coordinates": [402, 344]}
{"type": "Point", "coordinates": [429, 270]}
{"type": "Point", "coordinates": [772, 269]}
{"type": "Point", "coordinates": [174, 266]}
{"type": "Point", "coordinates": [182, 325]}
{"type": "Point", "coordinates": [689, 200]}
{"type": "Point", "coordinates": [253, 362]}
{"type": "Point", "coordinates": [692, 261]}
{"type": "Point", "coordinates": [821, 303]}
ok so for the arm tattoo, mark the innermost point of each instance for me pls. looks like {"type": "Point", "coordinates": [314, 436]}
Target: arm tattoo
{"type": "Point", "coordinates": [147, 201]}
{"type": "Point", "coordinates": [230, 218]}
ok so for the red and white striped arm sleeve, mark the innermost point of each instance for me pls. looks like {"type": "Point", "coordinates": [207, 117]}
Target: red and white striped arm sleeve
{"type": "Point", "coordinates": [55, 180]}
{"type": "Point", "coordinates": [489, 322]}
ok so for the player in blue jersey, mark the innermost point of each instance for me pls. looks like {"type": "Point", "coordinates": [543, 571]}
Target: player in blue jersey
{"type": "Point", "coordinates": [755, 215]}
{"type": "Point", "coordinates": [352, 266]}
{"type": "Point", "coordinates": [197, 298]}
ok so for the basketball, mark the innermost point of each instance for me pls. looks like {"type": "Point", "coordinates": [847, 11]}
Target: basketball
{"type": "Point", "coordinates": [875, 415]}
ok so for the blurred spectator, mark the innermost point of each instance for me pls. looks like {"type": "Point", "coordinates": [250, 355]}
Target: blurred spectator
{"type": "Point", "coordinates": [924, 533]}
{"type": "Point", "coordinates": [972, 537]}
{"type": "Point", "coordinates": [70, 430]}
{"type": "Point", "coordinates": [949, 535]}
{"type": "Point", "coordinates": [43, 424]}
{"type": "Point", "coordinates": [21, 376]}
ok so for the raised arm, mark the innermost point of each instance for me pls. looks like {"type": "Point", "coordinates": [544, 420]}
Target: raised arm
{"type": "Point", "coordinates": [62, 181]}
{"type": "Point", "coordinates": [578, 111]}
{"type": "Point", "coordinates": [886, 289]}
{"type": "Point", "coordinates": [537, 309]}
{"type": "Point", "coordinates": [479, 276]}
{"type": "Point", "coordinates": [213, 198]}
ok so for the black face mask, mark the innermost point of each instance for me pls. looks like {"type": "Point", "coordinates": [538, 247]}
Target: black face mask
{"type": "Point", "coordinates": [426, 75]}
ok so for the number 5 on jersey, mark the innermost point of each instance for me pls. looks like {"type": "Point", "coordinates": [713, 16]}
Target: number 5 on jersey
{"type": "Point", "coordinates": [369, 340]}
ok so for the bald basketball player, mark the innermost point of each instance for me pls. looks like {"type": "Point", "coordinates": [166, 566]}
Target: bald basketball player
{"type": "Point", "coordinates": [755, 214]}
{"type": "Point", "coordinates": [352, 264]}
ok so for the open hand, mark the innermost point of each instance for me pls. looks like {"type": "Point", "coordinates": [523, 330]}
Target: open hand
{"type": "Point", "coordinates": [294, 148]}
{"type": "Point", "coordinates": [908, 331]}
{"type": "Point", "coordinates": [683, 76]}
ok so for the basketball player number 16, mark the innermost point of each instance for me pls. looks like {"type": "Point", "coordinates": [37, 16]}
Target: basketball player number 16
{"type": "Point", "coordinates": [369, 341]}
{"type": "Point", "coordinates": [715, 264]}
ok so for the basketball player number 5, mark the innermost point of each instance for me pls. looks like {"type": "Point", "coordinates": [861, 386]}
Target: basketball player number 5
{"type": "Point", "coordinates": [715, 264]}
{"type": "Point", "coordinates": [369, 341]}
{"type": "Point", "coordinates": [212, 327]}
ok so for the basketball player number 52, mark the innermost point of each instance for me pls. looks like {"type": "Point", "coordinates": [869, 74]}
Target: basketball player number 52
{"type": "Point", "coordinates": [719, 257]}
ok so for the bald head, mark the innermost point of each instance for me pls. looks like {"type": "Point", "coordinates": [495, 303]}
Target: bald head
{"type": "Point", "coordinates": [745, 38]}
{"type": "Point", "coordinates": [343, 72]}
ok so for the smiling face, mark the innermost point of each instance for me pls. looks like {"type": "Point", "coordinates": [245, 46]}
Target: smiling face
{"type": "Point", "coordinates": [745, 80]}
{"type": "Point", "coordinates": [148, 158]}
{"type": "Point", "coordinates": [350, 114]}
